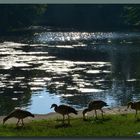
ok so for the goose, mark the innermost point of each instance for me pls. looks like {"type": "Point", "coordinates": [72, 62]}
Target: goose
{"type": "Point", "coordinates": [134, 105]}
{"type": "Point", "coordinates": [64, 110]}
{"type": "Point", "coordinates": [94, 105]}
{"type": "Point", "coordinates": [19, 114]}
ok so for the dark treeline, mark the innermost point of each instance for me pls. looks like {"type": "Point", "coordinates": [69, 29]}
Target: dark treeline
{"type": "Point", "coordinates": [94, 16]}
{"type": "Point", "coordinates": [85, 16]}
{"type": "Point", "coordinates": [77, 16]}
{"type": "Point", "coordinates": [13, 16]}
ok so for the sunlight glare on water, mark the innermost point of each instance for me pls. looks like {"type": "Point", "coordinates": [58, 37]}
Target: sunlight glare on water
{"type": "Point", "coordinates": [46, 37]}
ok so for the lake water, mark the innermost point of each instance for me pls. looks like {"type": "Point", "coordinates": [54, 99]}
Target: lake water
{"type": "Point", "coordinates": [41, 68]}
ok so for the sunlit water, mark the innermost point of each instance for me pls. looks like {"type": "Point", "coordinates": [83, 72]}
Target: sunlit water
{"type": "Point", "coordinates": [68, 68]}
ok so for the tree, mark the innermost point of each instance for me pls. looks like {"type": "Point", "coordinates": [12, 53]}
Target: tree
{"type": "Point", "coordinates": [84, 16]}
{"type": "Point", "coordinates": [132, 15]}
{"type": "Point", "coordinates": [18, 15]}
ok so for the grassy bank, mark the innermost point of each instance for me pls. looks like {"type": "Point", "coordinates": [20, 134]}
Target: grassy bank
{"type": "Point", "coordinates": [112, 125]}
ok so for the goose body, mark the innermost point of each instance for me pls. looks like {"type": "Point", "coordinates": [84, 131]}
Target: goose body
{"type": "Point", "coordinates": [94, 105]}
{"type": "Point", "coordinates": [64, 110]}
{"type": "Point", "coordinates": [134, 105]}
{"type": "Point", "coordinates": [19, 114]}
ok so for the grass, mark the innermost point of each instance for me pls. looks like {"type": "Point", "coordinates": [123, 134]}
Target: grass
{"type": "Point", "coordinates": [111, 125]}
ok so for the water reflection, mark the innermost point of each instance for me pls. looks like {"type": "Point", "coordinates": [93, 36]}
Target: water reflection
{"type": "Point", "coordinates": [42, 101]}
{"type": "Point", "coordinates": [68, 67]}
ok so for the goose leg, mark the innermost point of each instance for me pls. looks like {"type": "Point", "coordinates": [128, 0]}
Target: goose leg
{"type": "Point", "coordinates": [136, 114]}
{"type": "Point", "coordinates": [95, 114]}
{"type": "Point", "coordinates": [17, 122]}
{"type": "Point", "coordinates": [22, 123]}
{"type": "Point", "coordinates": [84, 117]}
{"type": "Point", "coordinates": [102, 113]}
{"type": "Point", "coordinates": [63, 118]}
{"type": "Point", "coordinates": [68, 119]}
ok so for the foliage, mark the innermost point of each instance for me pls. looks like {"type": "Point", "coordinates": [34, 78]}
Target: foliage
{"type": "Point", "coordinates": [18, 15]}
{"type": "Point", "coordinates": [87, 16]}
{"type": "Point", "coordinates": [132, 15]}
{"type": "Point", "coordinates": [112, 125]}
{"type": "Point", "coordinates": [79, 16]}
{"type": "Point", "coordinates": [93, 16]}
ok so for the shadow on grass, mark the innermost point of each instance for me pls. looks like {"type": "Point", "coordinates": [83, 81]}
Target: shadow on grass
{"type": "Point", "coordinates": [137, 120]}
{"type": "Point", "coordinates": [62, 126]}
{"type": "Point", "coordinates": [13, 127]}
{"type": "Point", "coordinates": [123, 115]}
{"type": "Point", "coordinates": [97, 120]}
{"type": "Point", "coordinates": [20, 127]}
